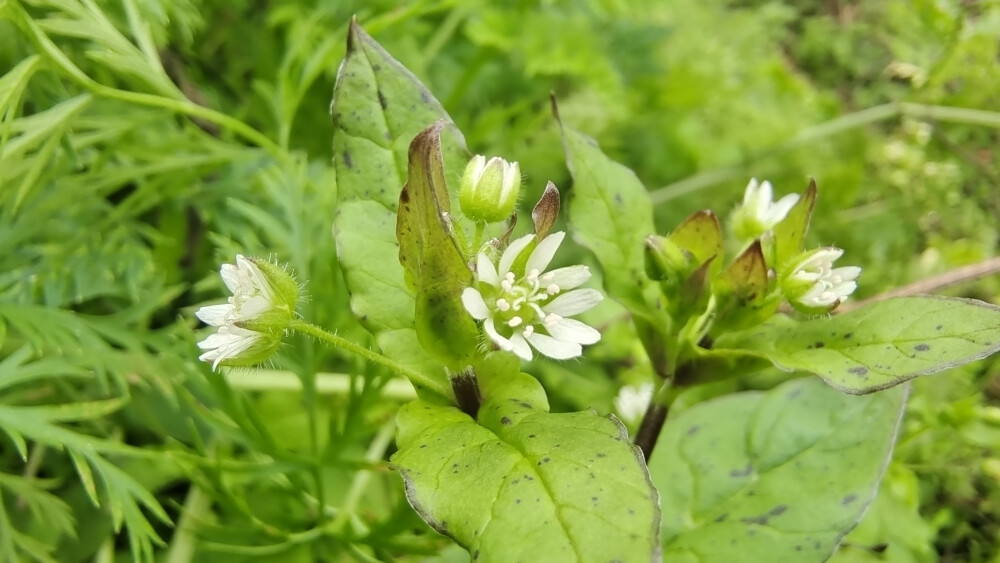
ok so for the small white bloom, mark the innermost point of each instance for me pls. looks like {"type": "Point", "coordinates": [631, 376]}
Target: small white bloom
{"type": "Point", "coordinates": [757, 203]}
{"type": "Point", "coordinates": [633, 400]}
{"type": "Point", "coordinates": [253, 301]}
{"type": "Point", "coordinates": [229, 342]}
{"type": "Point", "coordinates": [532, 306]}
{"type": "Point", "coordinates": [815, 283]}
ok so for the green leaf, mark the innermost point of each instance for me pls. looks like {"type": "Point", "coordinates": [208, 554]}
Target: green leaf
{"type": "Point", "coordinates": [701, 235]}
{"type": "Point", "coordinates": [432, 261]}
{"type": "Point", "coordinates": [790, 233]}
{"type": "Point", "coordinates": [610, 213]}
{"type": "Point", "coordinates": [879, 345]}
{"type": "Point", "coordinates": [776, 476]}
{"type": "Point", "coordinates": [527, 485]}
{"type": "Point", "coordinates": [378, 107]}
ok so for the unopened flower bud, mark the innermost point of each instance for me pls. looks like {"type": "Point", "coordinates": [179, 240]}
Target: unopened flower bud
{"type": "Point", "coordinates": [666, 261]}
{"type": "Point", "coordinates": [489, 189]}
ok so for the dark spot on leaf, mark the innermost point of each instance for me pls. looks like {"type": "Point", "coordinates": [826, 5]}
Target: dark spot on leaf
{"type": "Point", "coordinates": [348, 161]}
{"type": "Point", "coordinates": [859, 370]}
{"type": "Point", "coordinates": [544, 460]}
{"type": "Point", "coordinates": [423, 445]}
{"type": "Point", "coordinates": [722, 517]}
{"type": "Point", "coordinates": [618, 199]}
{"type": "Point", "coordinates": [602, 454]}
{"type": "Point", "coordinates": [795, 393]}
{"type": "Point", "coordinates": [879, 548]}
{"type": "Point", "coordinates": [631, 512]}
{"type": "Point", "coordinates": [778, 510]}
{"type": "Point", "coordinates": [742, 472]}
{"type": "Point", "coordinates": [404, 196]}
{"type": "Point", "coordinates": [848, 499]}
{"type": "Point", "coordinates": [798, 548]}
{"type": "Point", "coordinates": [382, 101]}
{"type": "Point", "coordinates": [517, 501]}
{"type": "Point", "coordinates": [848, 335]}
{"type": "Point", "coordinates": [938, 327]}
{"type": "Point", "coordinates": [505, 421]}
{"type": "Point", "coordinates": [521, 403]}
{"type": "Point", "coordinates": [693, 430]}
{"type": "Point", "coordinates": [817, 545]}
{"type": "Point", "coordinates": [377, 68]}
{"type": "Point", "coordinates": [531, 435]}
{"type": "Point", "coordinates": [819, 344]}
{"type": "Point", "coordinates": [922, 347]}
{"type": "Point", "coordinates": [475, 555]}
{"type": "Point", "coordinates": [425, 97]}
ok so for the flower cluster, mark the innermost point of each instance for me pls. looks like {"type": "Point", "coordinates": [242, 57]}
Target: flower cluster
{"type": "Point", "coordinates": [250, 324]}
{"type": "Point", "coordinates": [521, 304]}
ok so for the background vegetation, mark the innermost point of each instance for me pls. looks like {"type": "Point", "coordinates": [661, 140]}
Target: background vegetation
{"type": "Point", "coordinates": [144, 142]}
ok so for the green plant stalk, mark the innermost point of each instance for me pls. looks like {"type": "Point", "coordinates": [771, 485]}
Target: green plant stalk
{"type": "Point", "coordinates": [181, 106]}
{"type": "Point", "coordinates": [376, 450]}
{"type": "Point", "coordinates": [830, 128]}
{"type": "Point", "coordinates": [303, 327]}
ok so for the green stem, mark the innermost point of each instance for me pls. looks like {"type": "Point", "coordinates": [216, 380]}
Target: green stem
{"type": "Point", "coordinates": [480, 230]}
{"type": "Point", "coordinates": [376, 450]}
{"type": "Point", "coordinates": [415, 377]}
{"type": "Point", "coordinates": [830, 128]}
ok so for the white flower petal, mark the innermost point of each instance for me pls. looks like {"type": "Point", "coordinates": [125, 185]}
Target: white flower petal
{"type": "Point", "coordinates": [780, 209]}
{"type": "Point", "coordinates": [763, 201]}
{"type": "Point", "coordinates": [513, 250]}
{"type": "Point", "coordinates": [230, 276]}
{"type": "Point", "coordinates": [750, 194]}
{"type": "Point", "coordinates": [843, 290]}
{"type": "Point", "coordinates": [215, 315]}
{"type": "Point", "coordinates": [572, 330]}
{"type": "Point", "coordinates": [485, 271]}
{"type": "Point", "coordinates": [495, 336]}
{"type": "Point", "coordinates": [254, 307]}
{"type": "Point", "coordinates": [567, 278]}
{"type": "Point", "coordinates": [574, 302]}
{"type": "Point", "coordinates": [474, 304]}
{"type": "Point", "coordinates": [632, 401]}
{"type": "Point", "coordinates": [520, 347]}
{"type": "Point", "coordinates": [229, 342]}
{"type": "Point", "coordinates": [543, 253]}
{"type": "Point", "coordinates": [846, 273]}
{"type": "Point", "coordinates": [553, 348]}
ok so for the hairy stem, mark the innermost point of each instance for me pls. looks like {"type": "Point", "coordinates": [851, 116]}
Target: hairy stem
{"type": "Point", "coordinates": [327, 337]}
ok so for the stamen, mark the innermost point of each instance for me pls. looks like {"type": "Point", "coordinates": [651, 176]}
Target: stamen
{"type": "Point", "coordinates": [552, 319]}
{"type": "Point", "coordinates": [552, 289]}
{"type": "Point", "coordinates": [528, 331]}
{"type": "Point", "coordinates": [533, 276]}
{"type": "Point", "coordinates": [516, 321]}
{"type": "Point", "coordinates": [516, 305]}
{"type": "Point", "coordinates": [503, 304]}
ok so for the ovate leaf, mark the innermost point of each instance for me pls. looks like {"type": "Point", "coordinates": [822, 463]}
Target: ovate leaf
{"type": "Point", "coordinates": [777, 476]}
{"type": "Point", "coordinates": [526, 485]}
{"type": "Point", "coordinates": [433, 264]}
{"type": "Point", "coordinates": [610, 213]}
{"type": "Point", "coordinates": [378, 107]}
{"type": "Point", "coordinates": [880, 345]}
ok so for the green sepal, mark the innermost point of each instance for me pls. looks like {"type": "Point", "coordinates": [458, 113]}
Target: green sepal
{"type": "Point", "coordinates": [790, 233]}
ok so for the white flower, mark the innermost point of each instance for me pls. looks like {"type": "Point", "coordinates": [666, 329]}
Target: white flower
{"type": "Point", "coordinates": [633, 400]}
{"type": "Point", "coordinates": [815, 283]}
{"type": "Point", "coordinates": [757, 203]}
{"type": "Point", "coordinates": [230, 342]}
{"type": "Point", "coordinates": [253, 303]}
{"type": "Point", "coordinates": [532, 306]}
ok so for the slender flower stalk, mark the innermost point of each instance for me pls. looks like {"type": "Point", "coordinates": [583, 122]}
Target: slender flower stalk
{"type": "Point", "coordinates": [521, 304]}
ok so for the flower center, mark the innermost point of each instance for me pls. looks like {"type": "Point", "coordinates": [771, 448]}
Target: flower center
{"type": "Point", "coordinates": [518, 304]}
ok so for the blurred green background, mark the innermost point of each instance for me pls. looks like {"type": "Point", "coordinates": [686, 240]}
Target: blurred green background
{"type": "Point", "coordinates": [144, 142]}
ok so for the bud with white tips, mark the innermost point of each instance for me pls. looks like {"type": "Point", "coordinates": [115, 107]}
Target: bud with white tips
{"type": "Point", "coordinates": [489, 189]}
